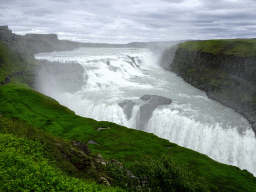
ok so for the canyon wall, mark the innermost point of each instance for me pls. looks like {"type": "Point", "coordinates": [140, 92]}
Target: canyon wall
{"type": "Point", "coordinates": [17, 61]}
{"type": "Point", "coordinates": [224, 69]}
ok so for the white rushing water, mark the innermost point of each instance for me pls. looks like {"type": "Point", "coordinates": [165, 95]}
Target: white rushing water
{"type": "Point", "coordinates": [192, 120]}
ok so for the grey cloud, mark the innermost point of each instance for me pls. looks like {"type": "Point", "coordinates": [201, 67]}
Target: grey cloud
{"type": "Point", "coordinates": [174, 1]}
{"type": "Point", "coordinates": [61, 1]}
{"type": "Point", "coordinates": [8, 2]}
{"type": "Point", "coordinates": [131, 20]}
{"type": "Point", "coordinates": [38, 12]}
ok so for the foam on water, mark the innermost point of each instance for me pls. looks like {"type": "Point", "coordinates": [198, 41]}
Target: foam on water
{"type": "Point", "coordinates": [192, 120]}
{"type": "Point", "coordinates": [223, 145]}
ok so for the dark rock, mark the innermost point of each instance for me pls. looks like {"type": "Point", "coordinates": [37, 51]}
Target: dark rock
{"type": "Point", "coordinates": [81, 146]}
{"type": "Point", "coordinates": [113, 161]}
{"type": "Point", "coordinates": [132, 61]}
{"type": "Point", "coordinates": [92, 142]}
{"type": "Point", "coordinates": [80, 160]}
{"type": "Point", "coordinates": [62, 77]}
{"type": "Point", "coordinates": [146, 110]}
{"type": "Point", "coordinates": [167, 57]}
{"type": "Point", "coordinates": [127, 106]}
{"type": "Point", "coordinates": [147, 104]}
{"type": "Point", "coordinates": [102, 128]}
{"type": "Point", "coordinates": [228, 79]}
{"type": "Point", "coordinates": [99, 159]}
{"type": "Point", "coordinates": [104, 181]}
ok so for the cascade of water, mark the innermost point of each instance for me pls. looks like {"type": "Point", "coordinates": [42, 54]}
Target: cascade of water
{"type": "Point", "coordinates": [224, 145]}
{"type": "Point", "coordinates": [116, 80]}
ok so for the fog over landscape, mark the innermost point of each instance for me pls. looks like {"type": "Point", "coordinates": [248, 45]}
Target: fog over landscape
{"type": "Point", "coordinates": [115, 21]}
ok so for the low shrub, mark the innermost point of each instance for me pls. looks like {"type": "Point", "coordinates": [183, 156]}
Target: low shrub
{"type": "Point", "coordinates": [23, 168]}
{"type": "Point", "coordinates": [161, 174]}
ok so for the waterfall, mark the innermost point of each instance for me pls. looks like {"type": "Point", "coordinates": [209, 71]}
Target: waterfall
{"type": "Point", "coordinates": [119, 80]}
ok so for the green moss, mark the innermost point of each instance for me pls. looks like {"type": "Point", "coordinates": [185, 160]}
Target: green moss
{"type": "Point", "coordinates": [237, 47]}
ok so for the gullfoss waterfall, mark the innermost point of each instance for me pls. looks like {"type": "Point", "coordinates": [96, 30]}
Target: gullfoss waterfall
{"type": "Point", "coordinates": [128, 87]}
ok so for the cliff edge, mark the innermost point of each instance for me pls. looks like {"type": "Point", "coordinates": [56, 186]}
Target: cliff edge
{"type": "Point", "coordinates": [224, 69]}
{"type": "Point", "coordinates": [17, 61]}
{"type": "Point", "coordinates": [31, 44]}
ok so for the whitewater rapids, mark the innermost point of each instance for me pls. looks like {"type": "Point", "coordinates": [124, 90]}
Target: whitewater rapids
{"type": "Point", "coordinates": [192, 120]}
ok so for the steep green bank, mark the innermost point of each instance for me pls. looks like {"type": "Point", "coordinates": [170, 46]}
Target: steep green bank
{"type": "Point", "coordinates": [46, 147]}
{"type": "Point", "coordinates": [30, 115]}
{"type": "Point", "coordinates": [19, 63]}
{"type": "Point", "coordinates": [12, 62]}
{"type": "Point", "coordinates": [225, 69]}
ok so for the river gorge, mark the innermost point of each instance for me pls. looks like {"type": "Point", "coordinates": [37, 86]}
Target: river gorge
{"type": "Point", "coordinates": [129, 87]}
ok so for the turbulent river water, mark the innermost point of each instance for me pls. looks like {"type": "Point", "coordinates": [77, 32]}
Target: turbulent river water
{"type": "Point", "coordinates": [116, 78]}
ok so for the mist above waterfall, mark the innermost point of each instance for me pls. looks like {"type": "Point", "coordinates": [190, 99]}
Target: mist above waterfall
{"type": "Point", "coordinates": [128, 86]}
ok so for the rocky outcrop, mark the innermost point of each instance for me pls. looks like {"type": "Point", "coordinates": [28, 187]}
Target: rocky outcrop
{"type": "Point", "coordinates": [6, 34]}
{"type": "Point", "coordinates": [151, 103]}
{"type": "Point", "coordinates": [39, 43]}
{"type": "Point", "coordinates": [167, 57]}
{"type": "Point", "coordinates": [8, 77]}
{"type": "Point", "coordinates": [31, 44]}
{"type": "Point", "coordinates": [59, 77]}
{"type": "Point", "coordinates": [229, 79]}
{"type": "Point", "coordinates": [127, 107]}
{"type": "Point", "coordinates": [147, 104]}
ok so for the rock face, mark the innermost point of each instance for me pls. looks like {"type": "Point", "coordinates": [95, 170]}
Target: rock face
{"type": "Point", "coordinates": [24, 47]}
{"type": "Point", "coordinates": [82, 147]}
{"type": "Point", "coordinates": [8, 78]}
{"type": "Point", "coordinates": [146, 110]}
{"type": "Point", "coordinates": [31, 44]}
{"type": "Point", "coordinates": [228, 79]}
{"type": "Point", "coordinates": [59, 77]}
{"type": "Point", "coordinates": [167, 57]}
{"type": "Point", "coordinates": [39, 43]}
{"type": "Point", "coordinates": [127, 106]}
{"type": "Point", "coordinates": [147, 103]}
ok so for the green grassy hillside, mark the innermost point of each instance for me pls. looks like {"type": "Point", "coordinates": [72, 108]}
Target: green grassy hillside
{"type": "Point", "coordinates": [37, 152]}
{"type": "Point", "coordinates": [237, 47]}
{"type": "Point", "coordinates": [33, 117]}
{"type": "Point", "coordinates": [12, 62]}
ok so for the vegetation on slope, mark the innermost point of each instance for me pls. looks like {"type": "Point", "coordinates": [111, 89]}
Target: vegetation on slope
{"type": "Point", "coordinates": [225, 69]}
{"type": "Point", "coordinates": [237, 47]}
{"type": "Point", "coordinates": [28, 114]}
{"type": "Point", "coordinates": [37, 154]}
{"type": "Point", "coordinates": [23, 167]}
{"type": "Point", "coordinates": [12, 62]}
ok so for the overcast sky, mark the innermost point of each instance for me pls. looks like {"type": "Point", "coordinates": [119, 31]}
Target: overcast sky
{"type": "Point", "coordinates": [123, 21]}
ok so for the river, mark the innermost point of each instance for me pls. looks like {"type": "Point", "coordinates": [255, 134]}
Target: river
{"type": "Point", "coordinates": [116, 78]}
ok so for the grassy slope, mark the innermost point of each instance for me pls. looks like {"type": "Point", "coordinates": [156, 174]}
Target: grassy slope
{"type": "Point", "coordinates": [125, 145]}
{"type": "Point", "coordinates": [37, 122]}
{"type": "Point", "coordinates": [23, 167]}
{"type": "Point", "coordinates": [12, 62]}
{"type": "Point", "coordinates": [237, 47]}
